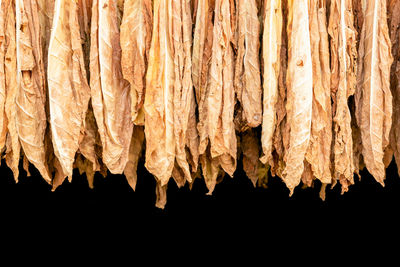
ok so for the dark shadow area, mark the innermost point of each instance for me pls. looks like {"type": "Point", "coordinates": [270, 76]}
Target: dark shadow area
{"type": "Point", "coordinates": [236, 208]}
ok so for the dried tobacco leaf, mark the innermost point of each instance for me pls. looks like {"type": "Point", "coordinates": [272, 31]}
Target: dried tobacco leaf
{"type": "Point", "coordinates": [271, 46]}
{"type": "Point", "coordinates": [89, 140]}
{"type": "Point", "coordinates": [343, 82]}
{"type": "Point", "coordinates": [135, 151]}
{"type": "Point", "coordinates": [136, 29]}
{"type": "Point", "coordinates": [69, 93]}
{"type": "Point", "coordinates": [319, 150]}
{"type": "Point", "coordinates": [280, 139]}
{"type": "Point", "coordinates": [109, 90]}
{"type": "Point", "coordinates": [158, 103]}
{"type": "Point", "coordinates": [251, 152]}
{"type": "Point", "coordinates": [30, 99]}
{"type": "Point", "coordinates": [394, 23]}
{"type": "Point", "coordinates": [373, 96]}
{"type": "Point", "coordinates": [3, 118]}
{"type": "Point", "coordinates": [46, 12]}
{"type": "Point", "coordinates": [202, 48]}
{"type": "Point", "coordinates": [161, 194]}
{"type": "Point", "coordinates": [299, 91]}
{"type": "Point", "coordinates": [201, 57]}
{"type": "Point", "coordinates": [221, 97]}
{"type": "Point", "coordinates": [219, 100]}
{"type": "Point", "coordinates": [183, 96]}
{"type": "Point", "coordinates": [10, 69]}
{"type": "Point", "coordinates": [247, 79]}
{"type": "Point", "coordinates": [170, 101]}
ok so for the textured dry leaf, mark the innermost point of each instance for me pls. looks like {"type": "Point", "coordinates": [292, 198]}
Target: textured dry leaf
{"type": "Point", "coordinates": [299, 91]}
{"type": "Point", "coordinates": [271, 46]}
{"type": "Point", "coordinates": [210, 170]}
{"type": "Point", "coordinates": [194, 5]}
{"type": "Point", "coordinates": [183, 99]}
{"type": "Point", "coordinates": [192, 137]}
{"type": "Point", "coordinates": [358, 10]}
{"type": "Point", "coordinates": [84, 18]}
{"type": "Point", "coordinates": [353, 101]}
{"type": "Point", "coordinates": [161, 194]}
{"type": "Point", "coordinates": [3, 118]}
{"type": "Point", "coordinates": [233, 8]}
{"type": "Point", "coordinates": [192, 134]}
{"type": "Point", "coordinates": [69, 93]}
{"type": "Point", "coordinates": [89, 140]}
{"type": "Point", "coordinates": [221, 96]}
{"type": "Point", "coordinates": [109, 90]}
{"type": "Point", "coordinates": [216, 103]}
{"type": "Point", "coordinates": [322, 192]}
{"type": "Point", "coordinates": [202, 49]}
{"type": "Point", "coordinates": [10, 70]}
{"type": "Point", "coordinates": [89, 137]}
{"type": "Point", "coordinates": [394, 23]}
{"type": "Point", "coordinates": [158, 104]}
{"type": "Point", "coordinates": [247, 79]}
{"type": "Point", "coordinates": [358, 160]}
{"type": "Point", "coordinates": [135, 151]}
{"type": "Point", "coordinates": [373, 96]}
{"type": "Point", "coordinates": [201, 57]}
{"type": "Point", "coordinates": [358, 15]}
{"type": "Point", "coordinates": [30, 99]}
{"type": "Point", "coordinates": [251, 153]}
{"type": "Point", "coordinates": [136, 28]}
{"type": "Point", "coordinates": [25, 165]}
{"type": "Point", "coordinates": [46, 11]}
{"type": "Point", "coordinates": [319, 150]}
{"type": "Point", "coordinates": [343, 82]}
{"type": "Point", "coordinates": [307, 178]}
{"type": "Point", "coordinates": [170, 101]}
{"type": "Point", "coordinates": [280, 139]}
{"type": "Point", "coordinates": [59, 176]}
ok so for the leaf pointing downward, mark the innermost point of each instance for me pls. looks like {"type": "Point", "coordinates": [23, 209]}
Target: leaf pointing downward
{"type": "Point", "coordinates": [271, 51]}
{"type": "Point", "coordinates": [373, 96]}
{"type": "Point", "coordinates": [158, 103]}
{"type": "Point", "coordinates": [247, 80]}
{"type": "Point", "coordinates": [136, 27]}
{"type": "Point", "coordinates": [110, 92]}
{"type": "Point", "coordinates": [300, 91]}
{"type": "Point", "coordinates": [343, 81]}
{"type": "Point", "coordinates": [69, 94]}
{"type": "Point", "coordinates": [30, 99]}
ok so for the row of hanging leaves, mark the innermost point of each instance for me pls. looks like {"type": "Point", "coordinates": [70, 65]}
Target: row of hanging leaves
{"type": "Point", "coordinates": [305, 90]}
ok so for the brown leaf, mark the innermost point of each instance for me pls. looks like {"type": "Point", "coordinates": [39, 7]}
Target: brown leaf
{"type": "Point", "coordinates": [373, 96]}
{"type": "Point", "coordinates": [299, 92]}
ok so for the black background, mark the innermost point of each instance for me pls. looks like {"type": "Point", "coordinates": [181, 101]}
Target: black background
{"type": "Point", "coordinates": [236, 209]}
